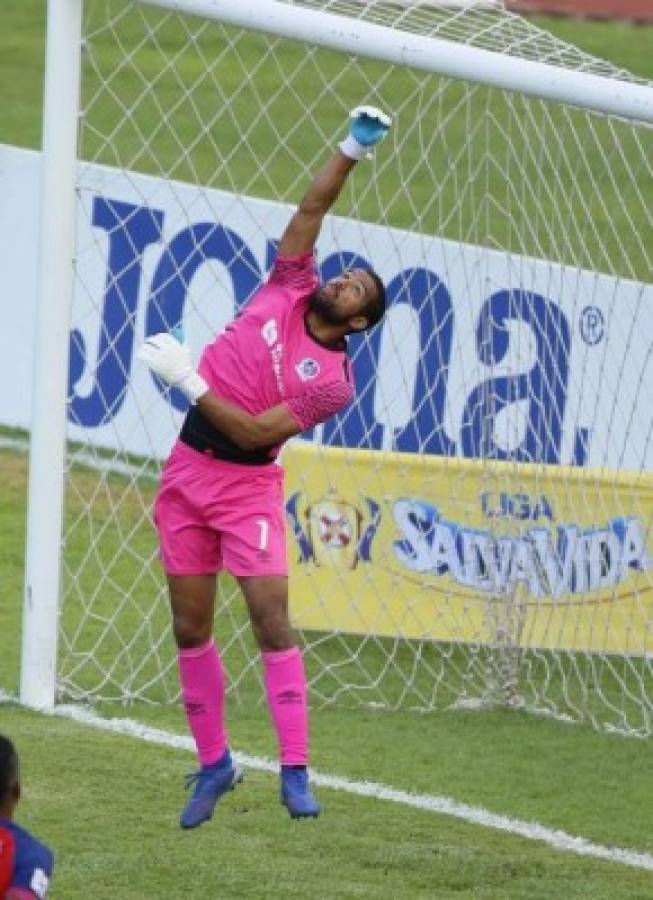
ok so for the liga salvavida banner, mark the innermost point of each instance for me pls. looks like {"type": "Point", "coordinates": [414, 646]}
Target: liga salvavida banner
{"type": "Point", "coordinates": [482, 355]}
{"type": "Point", "coordinates": [461, 551]}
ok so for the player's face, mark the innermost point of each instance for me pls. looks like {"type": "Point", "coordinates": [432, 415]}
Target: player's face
{"type": "Point", "coordinates": [341, 299]}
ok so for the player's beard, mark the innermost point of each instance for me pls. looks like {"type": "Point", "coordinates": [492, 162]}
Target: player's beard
{"type": "Point", "coordinates": [324, 307]}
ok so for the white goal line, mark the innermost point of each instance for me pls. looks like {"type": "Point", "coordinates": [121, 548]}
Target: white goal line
{"type": "Point", "coordinates": [558, 840]}
{"type": "Point", "coordinates": [88, 460]}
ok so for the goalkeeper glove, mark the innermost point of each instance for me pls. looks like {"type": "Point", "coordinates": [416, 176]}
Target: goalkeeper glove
{"type": "Point", "coordinates": [369, 125]}
{"type": "Point", "coordinates": [170, 360]}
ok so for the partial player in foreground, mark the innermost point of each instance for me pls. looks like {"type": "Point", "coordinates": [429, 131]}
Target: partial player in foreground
{"type": "Point", "coordinates": [278, 369]}
{"type": "Point", "coordinates": [25, 863]}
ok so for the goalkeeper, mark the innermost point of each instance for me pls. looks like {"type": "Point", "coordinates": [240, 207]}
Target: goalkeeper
{"type": "Point", "coordinates": [279, 368]}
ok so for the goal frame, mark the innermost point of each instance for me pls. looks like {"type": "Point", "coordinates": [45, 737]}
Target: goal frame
{"type": "Point", "coordinates": [57, 238]}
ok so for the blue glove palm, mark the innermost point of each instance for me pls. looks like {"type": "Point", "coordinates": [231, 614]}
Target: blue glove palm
{"type": "Point", "coordinates": [369, 125]}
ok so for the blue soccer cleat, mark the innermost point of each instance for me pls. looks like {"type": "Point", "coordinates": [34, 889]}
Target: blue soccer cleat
{"type": "Point", "coordinates": [211, 782]}
{"type": "Point", "coordinates": [296, 794]}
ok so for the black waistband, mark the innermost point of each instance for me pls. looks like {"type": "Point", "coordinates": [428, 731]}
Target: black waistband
{"type": "Point", "coordinates": [198, 433]}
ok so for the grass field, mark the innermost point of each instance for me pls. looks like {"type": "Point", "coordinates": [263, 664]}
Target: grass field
{"type": "Point", "coordinates": [108, 804]}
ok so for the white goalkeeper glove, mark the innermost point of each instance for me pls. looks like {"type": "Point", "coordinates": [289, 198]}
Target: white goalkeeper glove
{"type": "Point", "coordinates": [171, 361]}
{"type": "Point", "coordinates": [369, 125]}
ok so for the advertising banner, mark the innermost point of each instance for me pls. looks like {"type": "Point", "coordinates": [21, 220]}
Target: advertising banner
{"type": "Point", "coordinates": [482, 354]}
{"type": "Point", "coordinates": [465, 551]}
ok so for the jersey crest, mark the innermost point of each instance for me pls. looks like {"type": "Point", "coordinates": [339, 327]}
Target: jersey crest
{"type": "Point", "coordinates": [307, 369]}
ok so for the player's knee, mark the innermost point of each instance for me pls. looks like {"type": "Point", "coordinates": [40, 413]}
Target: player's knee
{"type": "Point", "coordinates": [276, 642]}
{"type": "Point", "coordinates": [273, 631]}
{"type": "Point", "coordinates": [190, 631]}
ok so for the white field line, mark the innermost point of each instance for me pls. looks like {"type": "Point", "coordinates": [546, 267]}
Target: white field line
{"type": "Point", "coordinates": [14, 443]}
{"type": "Point", "coordinates": [87, 459]}
{"type": "Point", "coordinates": [558, 840]}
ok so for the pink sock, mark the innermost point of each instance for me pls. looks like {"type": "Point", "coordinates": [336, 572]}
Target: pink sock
{"type": "Point", "coordinates": [285, 683]}
{"type": "Point", "coordinates": [203, 690]}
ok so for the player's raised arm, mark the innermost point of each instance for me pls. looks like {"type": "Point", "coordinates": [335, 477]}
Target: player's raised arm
{"type": "Point", "coordinates": [368, 126]}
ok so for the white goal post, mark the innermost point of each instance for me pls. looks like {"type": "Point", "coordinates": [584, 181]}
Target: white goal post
{"type": "Point", "coordinates": [48, 432]}
{"type": "Point", "coordinates": [475, 529]}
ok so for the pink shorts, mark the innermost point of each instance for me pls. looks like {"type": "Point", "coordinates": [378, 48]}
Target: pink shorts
{"type": "Point", "coordinates": [212, 515]}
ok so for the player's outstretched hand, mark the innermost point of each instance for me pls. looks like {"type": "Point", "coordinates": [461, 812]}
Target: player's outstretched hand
{"type": "Point", "coordinates": [171, 361]}
{"type": "Point", "coordinates": [369, 125]}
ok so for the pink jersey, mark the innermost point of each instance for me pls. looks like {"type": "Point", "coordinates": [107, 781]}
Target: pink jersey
{"type": "Point", "coordinates": [266, 356]}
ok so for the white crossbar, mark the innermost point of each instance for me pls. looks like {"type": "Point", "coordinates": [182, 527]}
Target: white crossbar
{"type": "Point", "coordinates": [548, 82]}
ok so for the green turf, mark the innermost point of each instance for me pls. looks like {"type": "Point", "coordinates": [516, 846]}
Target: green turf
{"type": "Point", "coordinates": [109, 806]}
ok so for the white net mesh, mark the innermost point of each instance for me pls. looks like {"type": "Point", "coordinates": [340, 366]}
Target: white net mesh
{"type": "Point", "coordinates": [474, 529]}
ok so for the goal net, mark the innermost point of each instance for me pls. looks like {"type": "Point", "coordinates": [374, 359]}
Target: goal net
{"type": "Point", "coordinates": [474, 529]}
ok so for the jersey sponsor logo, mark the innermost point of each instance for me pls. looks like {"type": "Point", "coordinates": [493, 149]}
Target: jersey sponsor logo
{"type": "Point", "coordinates": [276, 354]}
{"type": "Point", "coordinates": [307, 368]}
{"type": "Point", "coordinates": [269, 332]}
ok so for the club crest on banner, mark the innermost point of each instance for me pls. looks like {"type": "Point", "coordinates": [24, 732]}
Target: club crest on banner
{"type": "Point", "coordinates": [332, 531]}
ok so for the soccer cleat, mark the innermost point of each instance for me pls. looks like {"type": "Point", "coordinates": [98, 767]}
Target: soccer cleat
{"type": "Point", "coordinates": [296, 794]}
{"type": "Point", "coordinates": [211, 782]}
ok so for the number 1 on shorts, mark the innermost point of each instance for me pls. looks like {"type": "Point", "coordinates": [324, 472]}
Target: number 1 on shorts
{"type": "Point", "coordinates": [264, 525]}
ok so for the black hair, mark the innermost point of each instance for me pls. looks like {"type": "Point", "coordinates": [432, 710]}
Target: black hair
{"type": "Point", "coordinates": [374, 309]}
{"type": "Point", "coordinates": [8, 767]}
